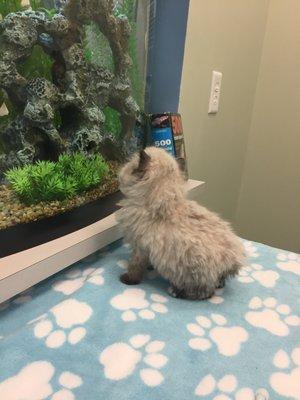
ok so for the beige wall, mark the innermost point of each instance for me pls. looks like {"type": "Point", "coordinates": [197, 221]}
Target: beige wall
{"type": "Point", "coordinates": [269, 205]}
{"type": "Point", "coordinates": [249, 153]}
{"type": "Point", "coordinates": [226, 36]}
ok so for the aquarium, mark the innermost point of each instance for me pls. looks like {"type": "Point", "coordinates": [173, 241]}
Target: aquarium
{"type": "Point", "coordinates": [71, 111]}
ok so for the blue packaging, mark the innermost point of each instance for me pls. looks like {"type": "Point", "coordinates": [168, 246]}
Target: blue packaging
{"type": "Point", "coordinates": [167, 133]}
{"type": "Point", "coordinates": [162, 137]}
{"type": "Point", "coordinates": [161, 133]}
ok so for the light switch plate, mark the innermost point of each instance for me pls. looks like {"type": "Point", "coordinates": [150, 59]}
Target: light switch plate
{"type": "Point", "coordinates": [215, 92]}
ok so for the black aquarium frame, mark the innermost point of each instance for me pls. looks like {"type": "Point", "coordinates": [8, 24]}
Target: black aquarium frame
{"type": "Point", "coordinates": [25, 236]}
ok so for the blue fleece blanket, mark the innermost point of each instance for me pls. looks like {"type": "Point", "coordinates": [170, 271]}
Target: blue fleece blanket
{"type": "Point", "coordinates": [83, 335]}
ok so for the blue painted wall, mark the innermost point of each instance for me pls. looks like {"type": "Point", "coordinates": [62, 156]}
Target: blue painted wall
{"type": "Point", "coordinates": [166, 49]}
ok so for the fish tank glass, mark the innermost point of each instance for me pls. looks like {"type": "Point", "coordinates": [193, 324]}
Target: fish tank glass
{"type": "Point", "coordinates": [71, 105]}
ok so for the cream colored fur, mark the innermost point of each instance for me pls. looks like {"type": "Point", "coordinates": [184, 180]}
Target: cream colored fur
{"type": "Point", "coordinates": [187, 244]}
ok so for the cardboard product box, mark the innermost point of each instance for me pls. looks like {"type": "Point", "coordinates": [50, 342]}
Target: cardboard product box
{"type": "Point", "coordinates": [167, 133]}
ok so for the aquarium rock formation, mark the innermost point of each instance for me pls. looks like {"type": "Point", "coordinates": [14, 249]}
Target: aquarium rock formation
{"type": "Point", "coordinates": [65, 114]}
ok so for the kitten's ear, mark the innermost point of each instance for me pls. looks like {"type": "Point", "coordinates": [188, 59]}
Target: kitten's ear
{"type": "Point", "coordinates": [144, 158]}
{"type": "Point", "coordinates": [143, 162]}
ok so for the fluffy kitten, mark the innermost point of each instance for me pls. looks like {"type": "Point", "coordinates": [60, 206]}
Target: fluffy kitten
{"type": "Point", "coordinates": [187, 244]}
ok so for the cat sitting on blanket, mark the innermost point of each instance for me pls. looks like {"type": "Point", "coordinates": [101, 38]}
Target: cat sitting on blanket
{"type": "Point", "coordinates": [187, 244]}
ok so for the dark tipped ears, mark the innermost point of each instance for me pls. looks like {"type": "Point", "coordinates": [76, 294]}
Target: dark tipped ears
{"type": "Point", "coordinates": [144, 157]}
{"type": "Point", "coordinates": [143, 162]}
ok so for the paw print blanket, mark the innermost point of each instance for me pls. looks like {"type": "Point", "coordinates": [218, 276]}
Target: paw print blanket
{"type": "Point", "coordinates": [83, 335]}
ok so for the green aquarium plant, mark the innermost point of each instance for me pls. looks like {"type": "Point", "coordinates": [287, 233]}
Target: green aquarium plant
{"type": "Point", "coordinates": [8, 6]}
{"type": "Point", "coordinates": [112, 121]}
{"type": "Point", "coordinates": [47, 180]}
{"type": "Point", "coordinates": [37, 65]}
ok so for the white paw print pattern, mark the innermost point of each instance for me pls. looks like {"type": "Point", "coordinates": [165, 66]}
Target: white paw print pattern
{"type": "Point", "coordinates": [76, 278]}
{"type": "Point", "coordinates": [122, 264]}
{"type": "Point", "coordinates": [225, 388]}
{"type": "Point", "coordinates": [255, 273]}
{"type": "Point", "coordinates": [287, 383]}
{"type": "Point", "coordinates": [217, 298]}
{"type": "Point", "coordinates": [120, 360]}
{"type": "Point", "coordinates": [289, 262]}
{"type": "Point", "coordinates": [133, 303]}
{"type": "Point", "coordinates": [34, 381]}
{"type": "Point", "coordinates": [69, 317]}
{"type": "Point", "coordinates": [227, 339]}
{"type": "Point", "coordinates": [271, 316]}
{"type": "Point", "coordinates": [251, 250]}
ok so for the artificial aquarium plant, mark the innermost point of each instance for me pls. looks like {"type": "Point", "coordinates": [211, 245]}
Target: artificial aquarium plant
{"type": "Point", "coordinates": [47, 180]}
{"type": "Point", "coordinates": [67, 112]}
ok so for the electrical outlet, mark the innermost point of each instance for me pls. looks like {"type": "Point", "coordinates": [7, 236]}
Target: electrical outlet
{"type": "Point", "coordinates": [215, 91]}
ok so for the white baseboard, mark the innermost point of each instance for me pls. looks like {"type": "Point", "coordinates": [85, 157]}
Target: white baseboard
{"type": "Point", "coordinates": [22, 270]}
